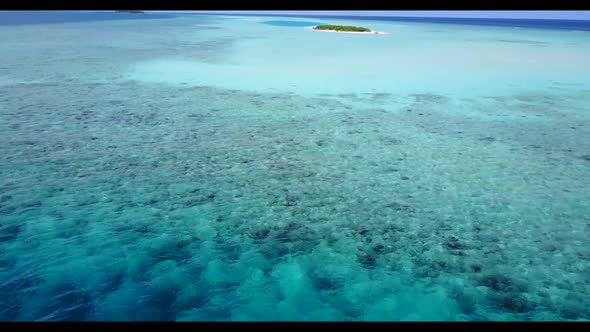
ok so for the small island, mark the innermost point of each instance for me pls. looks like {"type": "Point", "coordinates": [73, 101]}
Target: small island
{"type": "Point", "coordinates": [130, 11]}
{"type": "Point", "coordinates": [341, 28]}
{"type": "Point", "coordinates": [345, 28]}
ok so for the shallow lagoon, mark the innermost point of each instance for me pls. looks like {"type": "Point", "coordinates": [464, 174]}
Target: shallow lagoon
{"type": "Point", "coordinates": [220, 168]}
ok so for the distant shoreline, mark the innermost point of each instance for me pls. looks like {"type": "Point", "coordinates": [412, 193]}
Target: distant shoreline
{"type": "Point", "coordinates": [130, 11]}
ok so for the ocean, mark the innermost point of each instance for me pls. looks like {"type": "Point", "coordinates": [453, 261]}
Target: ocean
{"type": "Point", "coordinates": [579, 25]}
{"type": "Point", "coordinates": [247, 168]}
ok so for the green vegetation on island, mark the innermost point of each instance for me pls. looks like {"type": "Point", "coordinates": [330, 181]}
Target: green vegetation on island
{"type": "Point", "coordinates": [341, 28]}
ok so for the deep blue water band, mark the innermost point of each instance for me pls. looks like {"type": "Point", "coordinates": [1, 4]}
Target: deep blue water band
{"type": "Point", "coordinates": [518, 23]}
{"type": "Point", "coordinates": [49, 17]}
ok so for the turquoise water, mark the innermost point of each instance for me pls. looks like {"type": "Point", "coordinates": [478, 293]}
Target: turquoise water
{"type": "Point", "coordinates": [292, 23]}
{"type": "Point", "coordinates": [220, 168]}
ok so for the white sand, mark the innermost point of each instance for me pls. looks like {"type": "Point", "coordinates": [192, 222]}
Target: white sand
{"type": "Point", "coordinates": [356, 32]}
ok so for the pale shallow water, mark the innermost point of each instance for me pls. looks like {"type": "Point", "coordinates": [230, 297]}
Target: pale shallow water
{"type": "Point", "coordinates": [221, 168]}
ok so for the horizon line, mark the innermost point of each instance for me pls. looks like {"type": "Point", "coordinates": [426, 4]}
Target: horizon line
{"type": "Point", "coordinates": [531, 14]}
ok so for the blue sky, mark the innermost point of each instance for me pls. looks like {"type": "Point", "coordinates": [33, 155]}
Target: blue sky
{"type": "Point", "coordinates": [531, 14]}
